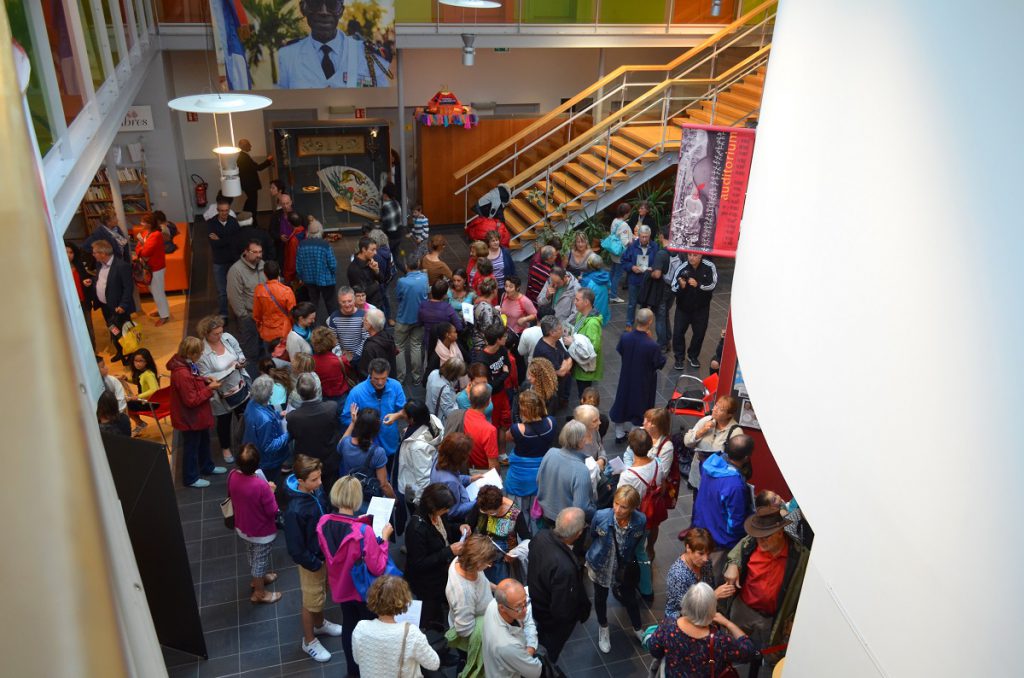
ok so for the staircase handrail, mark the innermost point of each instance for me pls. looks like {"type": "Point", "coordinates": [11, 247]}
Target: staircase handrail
{"type": "Point", "coordinates": [611, 77]}
{"type": "Point", "coordinates": [600, 130]}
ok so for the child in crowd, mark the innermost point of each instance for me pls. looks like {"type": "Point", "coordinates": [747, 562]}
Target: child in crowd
{"type": "Point", "coordinates": [591, 396]}
{"type": "Point", "coordinates": [144, 378]}
{"type": "Point", "coordinates": [495, 356]}
{"type": "Point", "coordinates": [477, 250]}
{"type": "Point", "coordinates": [420, 232]}
{"type": "Point", "coordinates": [484, 271]}
{"type": "Point", "coordinates": [360, 295]}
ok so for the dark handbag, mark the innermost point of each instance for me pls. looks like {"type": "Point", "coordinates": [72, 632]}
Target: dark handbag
{"type": "Point", "coordinates": [367, 477]}
{"type": "Point", "coordinates": [727, 671]}
{"type": "Point", "coordinates": [239, 397]}
{"type": "Point", "coordinates": [141, 272]}
{"type": "Point", "coordinates": [627, 575]}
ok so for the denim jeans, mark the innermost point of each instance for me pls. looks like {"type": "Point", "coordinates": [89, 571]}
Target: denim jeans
{"type": "Point", "coordinates": [195, 458]}
{"type": "Point", "coordinates": [409, 337]}
{"type": "Point", "coordinates": [634, 297]}
{"type": "Point", "coordinates": [616, 274]}
{"type": "Point", "coordinates": [220, 278]}
{"type": "Point", "coordinates": [661, 324]}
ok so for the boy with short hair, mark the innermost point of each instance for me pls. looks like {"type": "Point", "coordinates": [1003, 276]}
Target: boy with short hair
{"type": "Point", "coordinates": [495, 356]}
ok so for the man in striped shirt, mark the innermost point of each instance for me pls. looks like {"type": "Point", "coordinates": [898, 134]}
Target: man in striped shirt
{"type": "Point", "coordinates": [539, 271]}
{"type": "Point", "coordinates": [347, 324]}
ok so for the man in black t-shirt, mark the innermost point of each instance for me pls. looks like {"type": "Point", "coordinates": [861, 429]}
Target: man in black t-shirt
{"type": "Point", "coordinates": [551, 349]}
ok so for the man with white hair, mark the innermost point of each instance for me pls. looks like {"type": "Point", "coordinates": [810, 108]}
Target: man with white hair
{"type": "Point", "coordinates": [510, 636]}
{"type": "Point", "coordinates": [263, 428]}
{"type": "Point", "coordinates": [556, 581]}
{"type": "Point", "coordinates": [559, 292]}
{"type": "Point", "coordinates": [378, 344]}
{"type": "Point", "coordinates": [563, 479]}
{"type": "Point", "coordinates": [317, 267]}
{"type": "Point", "coordinates": [347, 324]}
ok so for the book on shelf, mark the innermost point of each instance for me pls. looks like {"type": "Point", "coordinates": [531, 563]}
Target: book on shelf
{"type": "Point", "coordinates": [130, 174]}
{"type": "Point", "coordinates": [101, 177]}
{"type": "Point", "coordinates": [97, 193]}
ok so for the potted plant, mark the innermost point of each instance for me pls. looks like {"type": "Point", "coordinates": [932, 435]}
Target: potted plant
{"type": "Point", "coordinates": [659, 200]}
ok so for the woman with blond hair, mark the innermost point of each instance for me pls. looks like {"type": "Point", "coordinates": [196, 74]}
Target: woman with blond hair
{"type": "Point", "coordinates": [222, 359]}
{"type": "Point", "coordinates": [533, 436]}
{"type": "Point", "coordinates": [190, 412]}
{"type": "Point", "coordinates": [381, 645]}
{"type": "Point", "coordinates": [331, 369]}
{"type": "Point", "coordinates": [542, 380]}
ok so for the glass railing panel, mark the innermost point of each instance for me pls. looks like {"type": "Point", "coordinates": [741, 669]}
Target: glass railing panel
{"type": "Point", "coordinates": [18, 19]}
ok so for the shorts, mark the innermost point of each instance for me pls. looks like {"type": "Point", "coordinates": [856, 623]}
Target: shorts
{"type": "Point", "coordinates": [501, 415]}
{"type": "Point", "coordinates": [314, 588]}
{"type": "Point", "coordinates": [259, 558]}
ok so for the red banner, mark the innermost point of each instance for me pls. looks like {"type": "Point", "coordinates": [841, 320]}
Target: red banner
{"type": "Point", "coordinates": [711, 187]}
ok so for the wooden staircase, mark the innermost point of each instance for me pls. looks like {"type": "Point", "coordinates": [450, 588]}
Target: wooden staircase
{"type": "Point", "coordinates": [582, 157]}
{"type": "Point", "coordinates": [579, 184]}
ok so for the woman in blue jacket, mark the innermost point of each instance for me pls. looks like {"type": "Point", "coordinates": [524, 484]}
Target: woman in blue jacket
{"type": "Point", "coordinates": [597, 279]}
{"type": "Point", "coordinates": [263, 429]}
{"type": "Point", "coordinates": [452, 457]}
{"type": "Point", "coordinates": [617, 545]}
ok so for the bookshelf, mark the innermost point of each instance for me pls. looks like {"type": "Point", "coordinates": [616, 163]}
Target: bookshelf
{"type": "Point", "coordinates": [134, 196]}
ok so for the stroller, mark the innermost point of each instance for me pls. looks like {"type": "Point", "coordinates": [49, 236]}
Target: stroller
{"type": "Point", "coordinates": [693, 397]}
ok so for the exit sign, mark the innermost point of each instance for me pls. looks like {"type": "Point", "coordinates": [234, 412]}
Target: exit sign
{"type": "Point", "coordinates": [502, 49]}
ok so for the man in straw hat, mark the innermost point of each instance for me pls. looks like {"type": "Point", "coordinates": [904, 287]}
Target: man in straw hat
{"type": "Point", "coordinates": [767, 567]}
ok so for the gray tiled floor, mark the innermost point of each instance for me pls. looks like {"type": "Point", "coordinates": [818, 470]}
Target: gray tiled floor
{"type": "Point", "coordinates": [263, 640]}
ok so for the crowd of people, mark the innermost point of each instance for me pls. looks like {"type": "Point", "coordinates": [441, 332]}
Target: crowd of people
{"type": "Point", "coordinates": [403, 379]}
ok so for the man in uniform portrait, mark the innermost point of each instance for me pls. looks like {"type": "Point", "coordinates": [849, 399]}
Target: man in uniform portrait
{"type": "Point", "coordinates": [327, 57]}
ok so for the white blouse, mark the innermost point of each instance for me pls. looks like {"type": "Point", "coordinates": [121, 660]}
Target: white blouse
{"type": "Point", "coordinates": [376, 644]}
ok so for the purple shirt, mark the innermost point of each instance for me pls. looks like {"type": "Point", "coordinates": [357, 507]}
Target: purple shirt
{"type": "Point", "coordinates": [254, 504]}
{"type": "Point", "coordinates": [433, 313]}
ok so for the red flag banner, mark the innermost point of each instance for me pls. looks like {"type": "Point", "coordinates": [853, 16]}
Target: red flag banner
{"type": "Point", "coordinates": [711, 186]}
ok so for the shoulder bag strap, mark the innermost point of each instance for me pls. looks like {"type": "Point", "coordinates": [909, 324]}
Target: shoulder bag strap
{"type": "Point", "coordinates": [437, 405]}
{"type": "Point", "coordinates": [401, 653]}
{"type": "Point", "coordinates": [274, 299]}
{"type": "Point", "coordinates": [711, 655]}
{"type": "Point", "coordinates": [649, 486]}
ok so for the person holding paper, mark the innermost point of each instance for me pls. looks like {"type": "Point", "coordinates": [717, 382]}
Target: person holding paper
{"type": "Point", "coordinates": [418, 451]}
{"type": "Point", "coordinates": [636, 260]}
{"type": "Point", "coordinates": [431, 543]}
{"type": "Point", "coordinates": [385, 395]}
{"type": "Point", "coordinates": [483, 433]}
{"type": "Point", "coordinates": [469, 592]}
{"type": "Point", "coordinates": [563, 479]}
{"type": "Point", "coordinates": [452, 456]}
{"type": "Point", "coordinates": [381, 644]}
{"type": "Point", "coordinates": [361, 456]}
{"type": "Point", "coordinates": [643, 471]}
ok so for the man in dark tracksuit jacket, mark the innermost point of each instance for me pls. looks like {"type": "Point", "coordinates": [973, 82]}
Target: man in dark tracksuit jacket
{"type": "Point", "coordinates": [693, 284]}
{"type": "Point", "coordinates": [556, 582]}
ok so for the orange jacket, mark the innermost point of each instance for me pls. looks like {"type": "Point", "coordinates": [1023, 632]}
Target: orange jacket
{"type": "Point", "coordinates": [271, 321]}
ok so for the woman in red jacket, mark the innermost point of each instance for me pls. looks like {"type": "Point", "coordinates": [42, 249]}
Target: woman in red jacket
{"type": "Point", "coordinates": [151, 250]}
{"type": "Point", "coordinates": [191, 413]}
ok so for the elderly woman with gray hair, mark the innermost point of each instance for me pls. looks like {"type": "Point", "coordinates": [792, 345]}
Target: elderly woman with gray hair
{"type": "Point", "coordinates": [688, 645]}
{"type": "Point", "coordinates": [316, 267]}
{"type": "Point", "coordinates": [563, 479]}
{"type": "Point", "coordinates": [264, 430]}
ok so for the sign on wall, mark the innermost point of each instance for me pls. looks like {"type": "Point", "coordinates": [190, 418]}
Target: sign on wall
{"type": "Point", "coordinates": [138, 119]}
{"type": "Point", "coordinates": [711, 187]}
{"type": "Point", "coordinates": [304, 44]}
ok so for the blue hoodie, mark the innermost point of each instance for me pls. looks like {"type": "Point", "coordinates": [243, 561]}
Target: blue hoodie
{"type": "Point", "coordinates": [600, 282]}
{"type": "Point", "coordinates": [723, 502]}
{"type": "Point", "coordinates": [300, 519]}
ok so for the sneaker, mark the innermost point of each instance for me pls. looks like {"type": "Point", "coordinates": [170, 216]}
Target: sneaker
{"type": "Point", "coordinates": [138, 429]}
{"type": "Point", "coordinates": [218, 470]}
{"type": "Point", "coordinates": [639, 633]}
{"type": "Point", "coordinates": [680, 365]}
{"type": "Point", "coordinates": [228, 457]}
{"type": "Point", "coordinates": [617, 300]}
{"type": "Point", "coordinates": [604, 641]}
{"type": "Point", "coordinates": [200, 484]}
{"type": "Point", "coordinates": [315, 650]}
{"type": "Point", "coordinates": [694, 363]}
{"type": "Point", "coordinates": [328, 629]}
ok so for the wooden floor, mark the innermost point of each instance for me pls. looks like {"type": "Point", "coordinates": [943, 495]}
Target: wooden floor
{"type": "Point", "coordinates": [161, 341]}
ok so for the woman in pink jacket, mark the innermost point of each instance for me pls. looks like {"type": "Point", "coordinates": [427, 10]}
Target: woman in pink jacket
{"type": "Point", "coordinates": [255, 508]}
{"type": "Point", "coordinates": [340, 555]}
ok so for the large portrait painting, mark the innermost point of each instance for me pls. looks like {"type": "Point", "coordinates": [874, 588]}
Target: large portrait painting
{"type": "Point", "coordinates": [304, 44]}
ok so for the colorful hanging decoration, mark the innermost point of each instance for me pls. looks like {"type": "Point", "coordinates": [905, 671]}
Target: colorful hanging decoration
{"type": "Point", "coordinates": [445, 110]}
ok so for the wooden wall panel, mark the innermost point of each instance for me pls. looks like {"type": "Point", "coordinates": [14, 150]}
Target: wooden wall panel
{"type": "Point", "coordinates": [442, 151]}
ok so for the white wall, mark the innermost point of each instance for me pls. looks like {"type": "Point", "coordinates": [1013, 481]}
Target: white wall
{"type": "Point", "coordinates": [877, 315]}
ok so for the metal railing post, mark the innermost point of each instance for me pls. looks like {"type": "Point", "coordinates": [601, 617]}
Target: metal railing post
{"type": "Point", "coordinates": [515, 158]}
{"type": "Point", "coordinates": [664, 118]}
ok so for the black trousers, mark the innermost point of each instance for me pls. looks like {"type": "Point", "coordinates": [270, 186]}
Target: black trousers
{"type": "Point", "coordinates": [114, 319]}
{"type": "Point", "coordinates": [628, 600]}
{"type": "Point", "coordinates": [352, 613]}
{"type": "Point", "coordinates": [698, 320]}
{"type": "Point", "coordinates": [251, 200]}
{"type": "Point", "coordinates": [325, 292]}
{"type": "Point", "coordinates": [554, 635]}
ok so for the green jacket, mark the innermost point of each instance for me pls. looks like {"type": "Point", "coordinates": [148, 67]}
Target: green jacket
{"type": "Point", "coordinates": [792, 582]}
{"type": "Point", "coordinates": [591, 329]}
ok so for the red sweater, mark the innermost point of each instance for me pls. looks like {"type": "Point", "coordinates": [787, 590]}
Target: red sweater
{"type": "Point", "coordinates": [190, 398]}
{"type": "Point", "coordinates": [152, 250]}
{"type": "Point", "coordinates": [331, 373]}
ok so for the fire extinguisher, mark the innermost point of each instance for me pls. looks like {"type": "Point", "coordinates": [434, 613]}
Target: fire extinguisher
{"type": "Point", "coordinates": [200, 188]}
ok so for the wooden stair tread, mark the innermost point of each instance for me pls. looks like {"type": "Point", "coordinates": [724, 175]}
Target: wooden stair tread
{"type": "Point", "coordinates": [584, 175]}
{"type": "Point", "coordinates": [649, 136]}
{"type": "Point", "coordinates": [526, 211]}
{"type": "Point", "coordinates": [739, 100]}
{"type": "Point", "coordinates": [571, 185]}
{"type": "Point", "coordinates": [746, 89]}
{"type": "Point", "coordinates": [723, 109]}
{"type": "Point", "coordinates": [597, 165]}
{"type": "Point", "coordinates": [631, 149]}
{"type": "Point", "coordinates": [616, 161]}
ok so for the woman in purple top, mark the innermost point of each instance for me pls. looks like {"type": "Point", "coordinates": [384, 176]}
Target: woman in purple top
{"type": "Point", "coordinates": [437, 310]}
{"type": "Point", "coordinates": [252, 499]}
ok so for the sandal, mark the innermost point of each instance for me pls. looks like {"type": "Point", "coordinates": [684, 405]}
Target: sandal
{"type": "Point", "coordinates": [268, 598]}
{"type": "Point", "coordinates": [268, 579]}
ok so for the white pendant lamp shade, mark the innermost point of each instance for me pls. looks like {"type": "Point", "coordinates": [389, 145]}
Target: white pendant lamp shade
{"type": "Point", "coordinates": [472, 4]}
{"type": "Point", "coordinates": [228, 102]}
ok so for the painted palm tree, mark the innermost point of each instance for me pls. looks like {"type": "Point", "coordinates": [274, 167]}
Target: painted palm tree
{"type": "Point", "coordinates": [275, 23]}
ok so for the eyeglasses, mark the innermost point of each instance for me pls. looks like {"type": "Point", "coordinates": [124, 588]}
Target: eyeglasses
{"type": "Point", "coordinates": [518, 608]}
{"type": "Point", "coordinates": [331, 6]}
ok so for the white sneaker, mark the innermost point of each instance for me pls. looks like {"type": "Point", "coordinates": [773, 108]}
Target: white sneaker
{"type": "Point", "coordinates": [604, 642]}
{"type": "Point", "coordinates": [617, 300]}
{"type": "Point", "coordinates": [200, 484]}
{"type": "Point", "coordinates": [219, 470]}
{"type": "Point", "coordinates": [639, 633]}
{"type": "Point", "coordinates": [328, 629]}
{"type": "Point", "coordinates": [315, 650]}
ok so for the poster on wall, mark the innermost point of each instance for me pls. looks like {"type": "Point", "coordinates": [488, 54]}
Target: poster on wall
{"type": "Point", "coordinates": [711, 186]}
{"type": "Point", "coordinates": [304, 44]}
{"type": "Point", "coordinates": [747, 416]}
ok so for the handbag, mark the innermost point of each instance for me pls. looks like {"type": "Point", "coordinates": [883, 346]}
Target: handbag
{"type": "Point", "coordinates": [141, 272]}
{"type": "Point", "coordinates": [613, 244]}
{"type": "Point", "coordinates": [361, 577]}
{"type": "Point", "coordinates": [727, 672]}
{"type": "Point", "coordinates": [627, 576]}
{"type": "Point", "coordinates": [131, 337]}
{"type": "Point", "coordinates": [239, 397]}
{"type": "Point", "coordinates": [368, 479]}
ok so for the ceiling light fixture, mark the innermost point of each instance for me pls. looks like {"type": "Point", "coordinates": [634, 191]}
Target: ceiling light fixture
{"type": "Point", "coordinates": [716, 7]}
{"type": "Point", "coordinates": [468, 51]}
{"type": "Point", "coordinates": [472, 4]}
{"type": "Point", "coordinates": [223, 104]}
